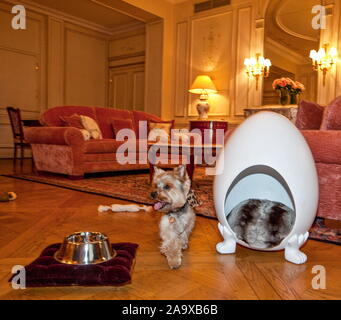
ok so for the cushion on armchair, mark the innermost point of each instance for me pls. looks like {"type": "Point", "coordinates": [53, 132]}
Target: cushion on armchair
{"type": "Point", "coordinates": [332, 118]}
{"type": "Point", "coordinates": [309, 116]}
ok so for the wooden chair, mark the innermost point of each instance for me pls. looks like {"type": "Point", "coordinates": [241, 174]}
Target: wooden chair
{"type": "Point", "coordinates": [18, 134]}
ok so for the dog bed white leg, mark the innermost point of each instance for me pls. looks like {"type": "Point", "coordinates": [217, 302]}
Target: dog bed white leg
{"type": "Point", "coordinates": [292, 251]}
{"type": "Point", "coordinates": [229, 244]}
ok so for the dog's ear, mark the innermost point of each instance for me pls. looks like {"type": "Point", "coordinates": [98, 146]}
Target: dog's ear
{"type": "Point", "coordinates": [181, 173]}
{"type": "Point", "coordinates": [157, 172]}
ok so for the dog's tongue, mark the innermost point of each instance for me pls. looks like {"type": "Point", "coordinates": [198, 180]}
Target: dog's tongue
{"type": "Point", "coordinates": [158, 206]}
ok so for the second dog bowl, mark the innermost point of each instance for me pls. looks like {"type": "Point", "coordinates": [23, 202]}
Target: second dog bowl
{"type": "Point", "coordinates": [85, 248]}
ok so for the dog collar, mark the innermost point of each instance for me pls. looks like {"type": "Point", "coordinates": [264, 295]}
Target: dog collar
{"type": "Point", "coordinates": [176, 212]}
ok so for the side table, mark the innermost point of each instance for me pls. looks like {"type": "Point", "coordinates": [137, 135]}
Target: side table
{"type": "Point", "coordinates": [211, 125]}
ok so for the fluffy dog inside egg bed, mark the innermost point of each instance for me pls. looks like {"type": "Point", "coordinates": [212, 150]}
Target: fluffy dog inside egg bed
{"type": "Point", "coordinates": [261, 223]}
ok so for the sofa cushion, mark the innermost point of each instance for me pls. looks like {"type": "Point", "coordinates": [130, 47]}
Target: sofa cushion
{"type": "Point", "coordinates": [332, 117]}
{"type": "Point", "coordinates": [104, 117]}
{"type": "Point", "coordinates": [52, 117]}
{"type": "Point", "coordinates": [75, 121]}
{"type": "Point", "coordinates": [111, 157]}
{"type": "Point", "coordinates": [309, 116]}
{"type": "Point", "coordinates": [111, 146]}
{"type": "Point", "coordinates": [92, 127]}
{"type": "Point", "coordinates": [143, 116]}
{"type": "Point", "coordinates": [119, 124]}
{"type": "Point", "coordinates": [72, 121]}
{"type": "Point", "coordinates": [159, 130]}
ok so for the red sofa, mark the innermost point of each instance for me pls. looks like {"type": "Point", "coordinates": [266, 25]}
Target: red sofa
{"type": "Point", "coordinates": [63, 150]}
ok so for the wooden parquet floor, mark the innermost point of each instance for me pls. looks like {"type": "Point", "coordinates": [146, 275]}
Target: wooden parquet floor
{"type": "Point", "coordinates": [43, 214]}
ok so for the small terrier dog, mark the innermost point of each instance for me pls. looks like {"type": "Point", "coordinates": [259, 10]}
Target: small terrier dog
{"type": "Point", "coordinates": [172, 191]}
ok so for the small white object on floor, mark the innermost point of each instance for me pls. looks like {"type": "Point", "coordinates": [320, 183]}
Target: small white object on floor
{"type": "Point", "coordinates": [124, 208]}
{"type": "Point", "coordinates": [12, 196]}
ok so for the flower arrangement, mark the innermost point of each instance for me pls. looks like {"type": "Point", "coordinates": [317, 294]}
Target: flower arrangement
{"type": "Point", "coordinates": [288, 87]}
{"type": "Point", "coordinates": [289, 84]}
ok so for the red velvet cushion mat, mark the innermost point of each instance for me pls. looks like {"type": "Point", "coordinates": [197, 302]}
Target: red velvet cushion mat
{"type": "Point", "coordinates": [47, 272]}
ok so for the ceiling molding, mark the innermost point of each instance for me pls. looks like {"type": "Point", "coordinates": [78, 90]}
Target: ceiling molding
{"type": "Point", "coordinates": [104, 5]}
{"type": "Point", "coordinates": [286, 29]}
{"type": "Point", "coordinates": [286, 53]}
{"type": "Point", "coordinates": [139, 14]}
{"type": "Point", "coordinates": [176, 1]}
{"type": "Point", "coordinates": [136, 27]}
{"type": "Point", "coordinates": [62, 15]}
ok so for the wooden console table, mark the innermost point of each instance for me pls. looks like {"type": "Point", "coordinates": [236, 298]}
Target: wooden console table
{"type": "Point", "coordinates": [289, 111]}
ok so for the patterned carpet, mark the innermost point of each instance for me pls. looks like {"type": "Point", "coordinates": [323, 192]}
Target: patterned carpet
{"type": "Point", "coordinates": [135, 187]}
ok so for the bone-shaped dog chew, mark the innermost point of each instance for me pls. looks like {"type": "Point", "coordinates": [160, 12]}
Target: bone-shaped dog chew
{"type": "Point", "coordinates": [124, 208]}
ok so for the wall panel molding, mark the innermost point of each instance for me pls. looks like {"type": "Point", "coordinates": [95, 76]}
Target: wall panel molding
{"type": "Point", "coordinates": [244, 24]}
{"type": "Point", "coordinates": [55, 62]}
{"type": "Point", "coordinates": [80, 87]}
{"type": "Point", "coordinates": [210, 54]}
{"type": "Point", "coordinates": [181, 69]}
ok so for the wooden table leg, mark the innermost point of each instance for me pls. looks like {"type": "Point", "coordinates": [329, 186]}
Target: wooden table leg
{"type": "Point", "coordinates": [151, 162]}
{"type": "Point", "coordinates": [151, 172]}
{"type": "Point", "coordinates": [191, 166]}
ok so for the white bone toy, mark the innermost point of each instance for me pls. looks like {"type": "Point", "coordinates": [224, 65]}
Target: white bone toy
{"type": "Point", "coordinates": [124, 208]}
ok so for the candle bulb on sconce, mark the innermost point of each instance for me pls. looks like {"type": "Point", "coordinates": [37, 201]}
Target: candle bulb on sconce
{"type": "Point", "coordinates": [324, 60]}
{"type": "Point", "coordinates": [257, 67]}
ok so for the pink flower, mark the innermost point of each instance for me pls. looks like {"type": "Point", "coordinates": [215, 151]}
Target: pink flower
{"type": "Point", "coordinates": [300, 86]}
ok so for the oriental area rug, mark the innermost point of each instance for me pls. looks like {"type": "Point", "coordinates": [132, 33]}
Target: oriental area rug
{"type": "Point", "coordinates": [135, 187]}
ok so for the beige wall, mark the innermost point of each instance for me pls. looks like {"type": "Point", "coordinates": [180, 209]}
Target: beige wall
{"type": "Point", "coordinates": [164, 10]}
{"type": "Point", "coordinates": [216, 42]}
{"type": "Point", "coordinates": [332, 36]}
{"type": "Point", "coordinates": [52, 62]}
{"type": "Point", "coordinates": [23, 69]}
{"type": "Point", "coordinates": [127, 58]}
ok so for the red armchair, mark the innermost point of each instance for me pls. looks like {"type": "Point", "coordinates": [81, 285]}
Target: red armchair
{"type": "Point", "coordinates": [325, 144]}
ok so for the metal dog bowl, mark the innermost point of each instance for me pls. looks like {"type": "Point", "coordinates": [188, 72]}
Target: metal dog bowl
{"type": "Point", "coordinates": [85, 248]}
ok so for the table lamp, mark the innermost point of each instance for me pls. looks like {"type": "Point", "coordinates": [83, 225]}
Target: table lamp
{"type": "Point", "coordinates": [203, 85]}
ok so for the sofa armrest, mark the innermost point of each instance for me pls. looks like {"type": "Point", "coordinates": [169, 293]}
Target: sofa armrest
{"type": "Point", "coordinates": [54, 135]}
{"type": "Point", "coordinates": [325, 145]}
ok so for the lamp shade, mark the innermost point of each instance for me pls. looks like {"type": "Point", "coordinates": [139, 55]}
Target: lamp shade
{"type": "Point", "coordinates": [203, 84]}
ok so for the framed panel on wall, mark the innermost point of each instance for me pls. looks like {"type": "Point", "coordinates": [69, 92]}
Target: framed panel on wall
{"type": "Point", "coordinates": [211, 52]}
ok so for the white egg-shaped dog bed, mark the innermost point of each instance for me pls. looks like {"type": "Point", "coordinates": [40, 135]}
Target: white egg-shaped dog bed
{"type": "Point", "coordinates": [267, 157]}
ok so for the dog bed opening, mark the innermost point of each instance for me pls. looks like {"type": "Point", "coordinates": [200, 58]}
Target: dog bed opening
{"type": "Point", "coordinates": [259, 207]}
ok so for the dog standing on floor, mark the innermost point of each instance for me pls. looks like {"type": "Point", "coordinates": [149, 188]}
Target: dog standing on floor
{"type": "Point", "coordinates": [172, 191]}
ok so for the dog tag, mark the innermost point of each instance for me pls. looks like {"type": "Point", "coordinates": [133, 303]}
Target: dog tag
{"type": "Point", "coordinates": [171, 219]}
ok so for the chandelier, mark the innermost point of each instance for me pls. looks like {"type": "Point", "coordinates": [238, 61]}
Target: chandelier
{"type": "Point", "coordinates": [324, 60]}
{"type": "Point", "coordinates": [257, 67]}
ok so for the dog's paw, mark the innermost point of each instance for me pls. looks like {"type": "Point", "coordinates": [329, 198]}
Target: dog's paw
{"type": "Point", "coordinates": [185, 246]}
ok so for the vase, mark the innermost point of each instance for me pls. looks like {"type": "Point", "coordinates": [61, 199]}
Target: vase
{"type": "Point", "coordinates": [283, 97]}
{"type": "Point", "coordinates": [203, 108]}
{"type": "Point", "coordinates": [294, 98]}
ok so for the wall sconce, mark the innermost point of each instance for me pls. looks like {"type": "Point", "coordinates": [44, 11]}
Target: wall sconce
{"type": "Point", "coordinates": [257, 67]}
{"type": "Point", "coordinates": [324, 60]}
{"type": "Point", "coordinates": [203, 85]}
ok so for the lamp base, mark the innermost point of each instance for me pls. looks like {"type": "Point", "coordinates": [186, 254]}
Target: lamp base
{"type": "Point", "coordinates": [203, 108]}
